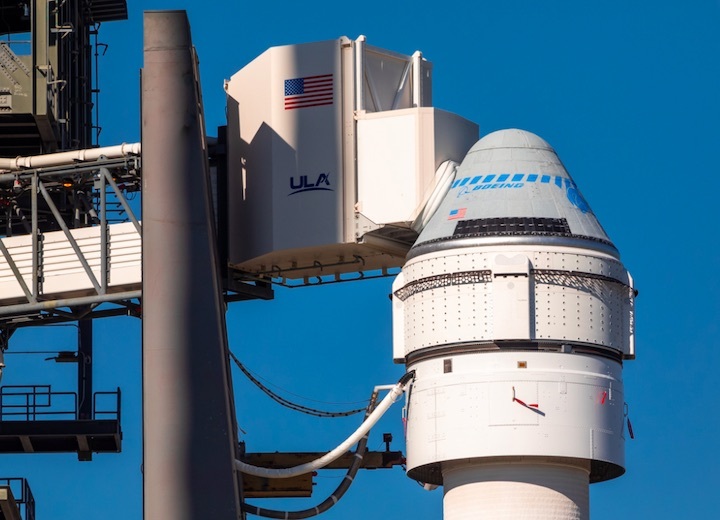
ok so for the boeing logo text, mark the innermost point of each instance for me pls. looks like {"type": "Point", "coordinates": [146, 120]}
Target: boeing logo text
{"type": "Point", "coordinates": [519, 180]}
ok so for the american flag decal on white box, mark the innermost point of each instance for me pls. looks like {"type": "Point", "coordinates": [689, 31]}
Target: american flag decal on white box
{"type": "Point", "coordinates": [310, 91]}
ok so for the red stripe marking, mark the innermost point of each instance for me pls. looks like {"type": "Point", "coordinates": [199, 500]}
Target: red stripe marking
{"type": "Point", "coordinates": [309, 105]}
{"type": "Point", "coordinates": [306, 96]}
{"type": "Point", "coordinates": [306, 101]}
{"type": "Point", "coordinates": [314, 95]}
{"type": "Point", "coordinates": [319, 76]}
{"type": "Point", "coordinates": [318, 80]}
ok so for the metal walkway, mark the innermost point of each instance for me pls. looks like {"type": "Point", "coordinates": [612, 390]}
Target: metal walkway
{"type": "Point", "coordinates": [49, 271]}
{"type": "Point", "coordinates": [36, 419]}
{"type": "Point", "coordinates": [16, 500]}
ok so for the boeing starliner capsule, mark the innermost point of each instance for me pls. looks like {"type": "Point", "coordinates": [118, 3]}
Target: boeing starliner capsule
{"type": "Point", "coordinates": [516, 314]}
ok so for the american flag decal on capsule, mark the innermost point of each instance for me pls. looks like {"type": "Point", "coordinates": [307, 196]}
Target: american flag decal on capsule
{"type": "Point", "coordinates": [310, 91]}
{"type": "Point", "coordinates": [457, 213]}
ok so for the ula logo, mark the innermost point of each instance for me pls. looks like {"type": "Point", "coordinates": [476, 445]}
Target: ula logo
{"type": "Point", "coordinates": [302, 183]}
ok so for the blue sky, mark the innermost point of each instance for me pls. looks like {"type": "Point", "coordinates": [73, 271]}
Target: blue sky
{"type": "Point", "coordinates": [626, 92]}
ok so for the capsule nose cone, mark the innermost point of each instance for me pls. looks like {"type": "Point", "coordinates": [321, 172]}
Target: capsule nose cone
{"type": "Point", "coordinates": [512, 138]}
{"type": "Point", "coordinates": [513, 184]}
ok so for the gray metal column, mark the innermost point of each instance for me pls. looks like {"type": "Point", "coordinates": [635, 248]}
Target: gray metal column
{"type": "Point", "coordinates": [85, 370]}
{"type": "Point", "coordinates": [85, 379]}
{"type": "Point", "coordinates": [188, 442]}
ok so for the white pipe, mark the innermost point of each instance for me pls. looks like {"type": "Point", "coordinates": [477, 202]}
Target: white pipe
{"type": "Point", "coordinates": [73, 156]}
{"type": "Point", "coordinates": [360, 73]}
{"type": "Point", "coordinates": [326, 459]}
{"type": "Point", "coordinates": [417, 78]}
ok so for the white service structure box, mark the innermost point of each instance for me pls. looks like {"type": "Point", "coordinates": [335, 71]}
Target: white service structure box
{"type": "Point", "coordinates": [332, 148]}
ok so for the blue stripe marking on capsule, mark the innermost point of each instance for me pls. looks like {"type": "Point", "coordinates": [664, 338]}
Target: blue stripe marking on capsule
{"type": "Point", "coordinates": [532, 177]}
{"type": "Point", "coordinates": [489, 178]}
{"type": "Point", "coordinates": [545, 179]}
{"type": "Point", "coordinates": [518, 177]}
{"type": "Point", "coordinates": [464, 181]}
{"type": "Point", "coordinates": [503, 177]}
{"type": "Point", "coordinates": [558, 181]}
{"type": "Point", "coordinates": [476, 179]}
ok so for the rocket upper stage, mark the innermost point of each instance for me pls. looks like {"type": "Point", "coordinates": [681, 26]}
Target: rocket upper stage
{"type": "Point", "coordinates": [512, 184]}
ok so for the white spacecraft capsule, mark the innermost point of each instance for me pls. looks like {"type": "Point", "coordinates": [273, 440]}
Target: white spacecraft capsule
{"type": "Point", "coordinates": [516, 314]}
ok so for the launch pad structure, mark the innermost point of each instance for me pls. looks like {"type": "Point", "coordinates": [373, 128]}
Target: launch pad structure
{"type": "Point", "coordinates": [527, 367]}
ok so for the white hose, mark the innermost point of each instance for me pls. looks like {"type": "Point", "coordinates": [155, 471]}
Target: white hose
{"type": "Point", "coordinates": [326, 459]}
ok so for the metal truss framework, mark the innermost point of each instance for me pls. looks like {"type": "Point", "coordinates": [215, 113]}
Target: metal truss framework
{"type": "Point", "coordinates": [98, 191]}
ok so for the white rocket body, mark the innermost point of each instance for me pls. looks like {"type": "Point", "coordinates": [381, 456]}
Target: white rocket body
{"type": "Point", "coordinates": [516, 313]}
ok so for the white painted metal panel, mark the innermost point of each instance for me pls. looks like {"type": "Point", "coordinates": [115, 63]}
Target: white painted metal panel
{"type": "Point", "coordinates": [61, 272]}
{"type": "Point", "coordinates": [20, 249]}
{"type": "Point", "coordinates": [398, 153]}
{"type": "Point", "coordinates": [125, 256]}
{"type": "Point", "coordinates": [398, 322]}
{"type": "Point", "coordinates": [562, 402]}
{"type": "Point", "coordinates": [547, 298]}
{"type": "Point", "coordinates": [511, 297]}
{"type": "Point", "coordinates": [285, 151]}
